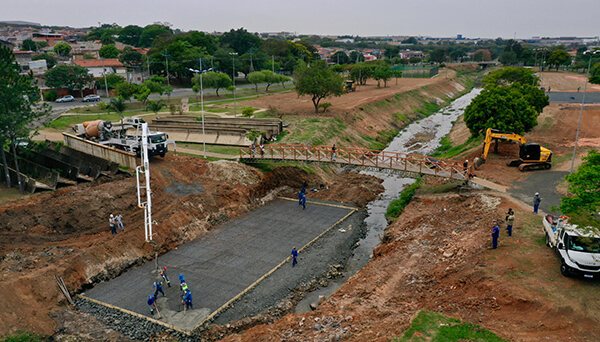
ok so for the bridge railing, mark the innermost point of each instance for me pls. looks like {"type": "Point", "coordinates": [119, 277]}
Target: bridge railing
{"type": "Point", "coordinates": [360, 156]}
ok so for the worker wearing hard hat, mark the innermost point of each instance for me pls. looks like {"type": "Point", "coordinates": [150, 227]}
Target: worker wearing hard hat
{"type": "Point", "coordinates": [113, 225]}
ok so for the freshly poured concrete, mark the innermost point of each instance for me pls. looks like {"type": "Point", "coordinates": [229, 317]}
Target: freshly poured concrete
{"type": "Point", "coordinates": [222, 263]}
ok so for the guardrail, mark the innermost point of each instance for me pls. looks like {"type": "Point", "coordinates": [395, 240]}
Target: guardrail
{"type": "Point", "coordinates": [423, 165]}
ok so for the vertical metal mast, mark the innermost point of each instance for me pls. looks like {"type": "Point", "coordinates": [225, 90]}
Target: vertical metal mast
{"type": "Point", "coordinates": [144, 183]}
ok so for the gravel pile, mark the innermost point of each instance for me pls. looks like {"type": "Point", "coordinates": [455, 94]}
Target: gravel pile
{"type": "Point", "coordinates": [131, 326]}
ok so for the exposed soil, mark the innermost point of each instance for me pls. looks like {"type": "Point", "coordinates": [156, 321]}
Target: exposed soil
{"type": "Point", "coordinates": [65, 233]}
{"type": "Point", "coordinates": [434, 257]}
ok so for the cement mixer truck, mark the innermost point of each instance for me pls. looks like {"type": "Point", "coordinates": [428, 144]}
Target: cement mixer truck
{"type": "Point", "coordinates": [103, 132]}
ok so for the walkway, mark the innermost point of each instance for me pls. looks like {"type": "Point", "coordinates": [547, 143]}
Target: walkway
{"type": "Point", "coordinates": [411, 165]}
{"type": "Point", "coordinates": [223, 263]}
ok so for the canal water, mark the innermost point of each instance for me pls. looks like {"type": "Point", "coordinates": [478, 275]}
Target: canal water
{"type": "Point", "coordinates": [421, 137]}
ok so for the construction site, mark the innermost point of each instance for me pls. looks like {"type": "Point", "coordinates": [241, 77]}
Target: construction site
{"type": "Point", "coordinates": [229, 227]}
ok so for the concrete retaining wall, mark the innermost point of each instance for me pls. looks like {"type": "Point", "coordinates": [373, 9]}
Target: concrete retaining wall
{"type": "Point", "coordinates": [125, 159]}
{"type": "Point", "coordinates": [85, 167]}
{"type": "Point", "coordinates": [212, 137]}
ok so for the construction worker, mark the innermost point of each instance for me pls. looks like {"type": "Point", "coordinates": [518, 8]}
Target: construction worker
{"type": "Point", "coordinates": [303, 201]}
{"type": "Point", "coordinates": [187, 299]}
{"type": "Point", "coordinates": [495, 234]}
{"type": "Point", "coordinates": [333, 152]}
{"type": "Point", "coordinates": [157, 286]}
{"type": "Point", "coordinates": [510, 220]}
{"type": "Point", "coordinates": [536, 202]}
{"type": "Point", "coordinates": [119, 219]}
{"type": "Point", "coordinates": [152, 303]}
{"type": "Point", "coordinates": [294, 256]}
{"type": "Point", "coordinates": [113, 226]}
{"type": "Point", "coordinates": [163, 274]}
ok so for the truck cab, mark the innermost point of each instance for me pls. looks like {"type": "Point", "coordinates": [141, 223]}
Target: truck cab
{"type": "Point", "coordinates": [578, 249]}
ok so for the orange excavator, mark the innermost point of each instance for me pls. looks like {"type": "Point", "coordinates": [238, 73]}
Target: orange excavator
{"type": "Point", "coordinates": [531, 155]}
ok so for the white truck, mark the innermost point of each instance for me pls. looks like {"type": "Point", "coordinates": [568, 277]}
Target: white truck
{"type": "Point", "coordinates": [578, 249]}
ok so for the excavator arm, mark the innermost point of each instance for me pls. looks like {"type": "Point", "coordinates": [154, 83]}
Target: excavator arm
{"type": "Point", "coordinates": [491, 134]}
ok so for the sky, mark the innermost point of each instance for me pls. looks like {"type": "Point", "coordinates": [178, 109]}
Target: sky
{"type": "Point", "coordinates": [436, 18]}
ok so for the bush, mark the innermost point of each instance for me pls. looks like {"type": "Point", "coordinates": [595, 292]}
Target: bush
{"type": "Point", "coordinates": [51, 96]}
{"type": "Point", "coordinates": [324, 105]}
{"type": "Point", "coordinates": [247, 111]}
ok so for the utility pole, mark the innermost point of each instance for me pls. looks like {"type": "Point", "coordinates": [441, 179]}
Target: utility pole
{"type": "Point", "coordinates": [166, 55]}
{"type": "Point", "coordinates": [233, 54]}
{"type": "Point", "coordinates": [148, 60]}
{"type": "Point", "coordinates": [273, 63]}
{"type": "Point", "coordinates": [144, 183]}
{"type": "Point", "coordinates": [105, 83]}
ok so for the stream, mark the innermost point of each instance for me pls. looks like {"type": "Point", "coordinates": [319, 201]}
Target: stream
{"type": "Point", "coordinates": [421, 137]}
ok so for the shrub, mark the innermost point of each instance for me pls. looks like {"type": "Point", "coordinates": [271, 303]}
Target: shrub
{"type": "Point", "coordinates": [247, 111]}
{"type": "Point", "coordinates": [324, 105]}
{"type": "Point", "coordinates": [52, 95]}
{"type": "Point", "coordinates": [397, 206]}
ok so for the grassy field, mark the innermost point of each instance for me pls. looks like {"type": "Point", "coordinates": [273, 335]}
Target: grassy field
{"type": "Point", "coordinates": [433, 326]}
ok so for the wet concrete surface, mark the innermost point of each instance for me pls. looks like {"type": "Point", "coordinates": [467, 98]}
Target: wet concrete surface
{"type": "Point", "coordinates": [222, 263]}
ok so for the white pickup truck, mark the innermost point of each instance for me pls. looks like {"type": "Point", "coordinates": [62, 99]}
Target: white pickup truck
{"type": "Point", "coordinates": [579, 250]}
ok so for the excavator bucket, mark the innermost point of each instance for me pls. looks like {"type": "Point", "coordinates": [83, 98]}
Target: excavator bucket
{"type": "Point", "coordinates": [477, 162]}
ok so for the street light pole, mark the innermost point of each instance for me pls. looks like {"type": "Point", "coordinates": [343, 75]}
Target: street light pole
{"type": "Point", "coordinates": [587, 74]}
{"type": "Point", "coordinates": [202, 103]}
{"type": "Point", "coordinates": [233, 54]}
{"type": "Point", "coordinates": [166, 55]}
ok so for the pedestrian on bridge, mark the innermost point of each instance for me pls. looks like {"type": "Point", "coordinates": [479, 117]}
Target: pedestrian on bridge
{"type": "Point", "coordinates": [495, 234]}
{"type": "Point", "coordinates": [294, 256]}
{"type": "Point", "coordinates": [261, 149]}
{"type": "Point", "coordinates": [333, 152]}
{"type": "Point", "coordinates": [536, 202]}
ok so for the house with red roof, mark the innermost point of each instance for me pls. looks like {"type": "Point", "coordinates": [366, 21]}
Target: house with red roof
{"type": "Point", "coordinates": [100, 67]}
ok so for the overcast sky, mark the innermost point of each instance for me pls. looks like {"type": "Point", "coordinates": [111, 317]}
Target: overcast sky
{"type": "Point", "coordinates": [439, 18]}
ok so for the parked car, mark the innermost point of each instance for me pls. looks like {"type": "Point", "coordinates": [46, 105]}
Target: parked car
{"type": "Point", "coordinates": [91, 98]}
{"type": "Point", "coordinates": [66, 98]}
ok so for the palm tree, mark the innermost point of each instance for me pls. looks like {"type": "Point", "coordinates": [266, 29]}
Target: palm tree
{"type": "Point", "coordinates": [119, 106]}
{"type": "Point", "coordinates": [155, 106]}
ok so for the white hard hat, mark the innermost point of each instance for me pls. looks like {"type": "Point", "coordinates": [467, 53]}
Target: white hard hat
{"type": "Point", "coordinates": [111, 215]}
{"type": "Point", "coordinates": [537, 193]}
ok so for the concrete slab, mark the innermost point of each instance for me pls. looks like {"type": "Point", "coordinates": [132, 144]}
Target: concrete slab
{"type": "Point", "coordinates": [223, 263]}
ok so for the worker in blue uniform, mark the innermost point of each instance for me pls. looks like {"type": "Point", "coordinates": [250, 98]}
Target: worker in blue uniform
{"type": "Point", "coordinates": [495, 235]}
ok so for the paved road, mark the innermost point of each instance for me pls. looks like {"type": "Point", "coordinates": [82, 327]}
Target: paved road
{"type": "Point", "coordinates": [223, 262]}
{"type": "Point", "coordinates": [545, 183]}
{"type": "Point", "coordinates": [573, 97]}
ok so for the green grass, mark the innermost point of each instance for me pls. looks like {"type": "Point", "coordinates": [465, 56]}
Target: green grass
{"type": "Point", "coordinates": [313, 131]}
{"type": "Point", "coordinates": [397, 206]}
{"type": "Point", "coordinates": [446, 150]}
{"type": "Point", "coordinates": [435, 327]}
{"type": "Point", "coordinates": [26, 337]}
{"type": "Point", "coordinates": [64, 122]}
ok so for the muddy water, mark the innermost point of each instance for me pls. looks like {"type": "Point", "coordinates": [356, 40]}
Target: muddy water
{"type": "Point", "coordinates": [421, 137]}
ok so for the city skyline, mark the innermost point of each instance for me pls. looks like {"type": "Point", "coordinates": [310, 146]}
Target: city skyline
{"type": "Point", "coordinates": [433, 18]}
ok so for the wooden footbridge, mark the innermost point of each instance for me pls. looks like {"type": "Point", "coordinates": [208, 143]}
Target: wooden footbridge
{"type": "Point", "coordinates": [410, 165]}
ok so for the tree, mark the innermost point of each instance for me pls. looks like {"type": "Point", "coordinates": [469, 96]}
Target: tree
{"type": "Point", "coordinates": [382, 73]}
{"type": "Point", "coordinates": [108, 51]}
{"type": "Point", "coordinates": [414, 60]}
{"type": "Point", "coordinates": [131, 57]}
{"type": "Point", "coordinates": [214, 80]}
{"type": "Point", "coordinates": [126, 91]}
{"type": "Point", "coordinates": [155, 106]}
{"type": "Point", "coordinates": [118, 105]}
{"type": "Point", "coordinates": [111, 81]}
{"type": "Point", "coordinates": [62, 49]}
{"type": "Point", "coordinates": [130, 35]}
{"type": "Point", "coordinates": [504, 108]}
{"type": "Point", "coordinates": [317, 81]}
{"type": "Point", "coordinates": [482, 55]}
{"type": "Point", "coordinates": [584, 198]}
{"type": "Point", "coordinates": [256, 78]}
{"type": "Point", "coordinates": [18, 98]}
{"type": "Point", "coordinates": [29, 45]}
{"type": "Point", "coordinates": [151, 32]}
{"type": "Point", "coordinates": [411, 40]}
{"type": "Point", "coordinates": [510, 75]}
{"type": "Point", "coordinates": [391, 51]}
{"type": "Point", "coordinates": [50, 60]}
{"type": "Point", "coordinates": [438, 55]}
{"type": "Point", "coordinates": [508, 58]}
{"type": "Point", "coordinates": [340, 57]}
{"type": "Point", "coordinates": [240, 40]}
{"type": "Point", "coordinates": [361, 72]}
{"type": "Point", "coordinates": [559, 57]}
{"type": "Point", "coordinates": [356, 57]}
{"type": "Point", "coordinates": [68, 76]}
